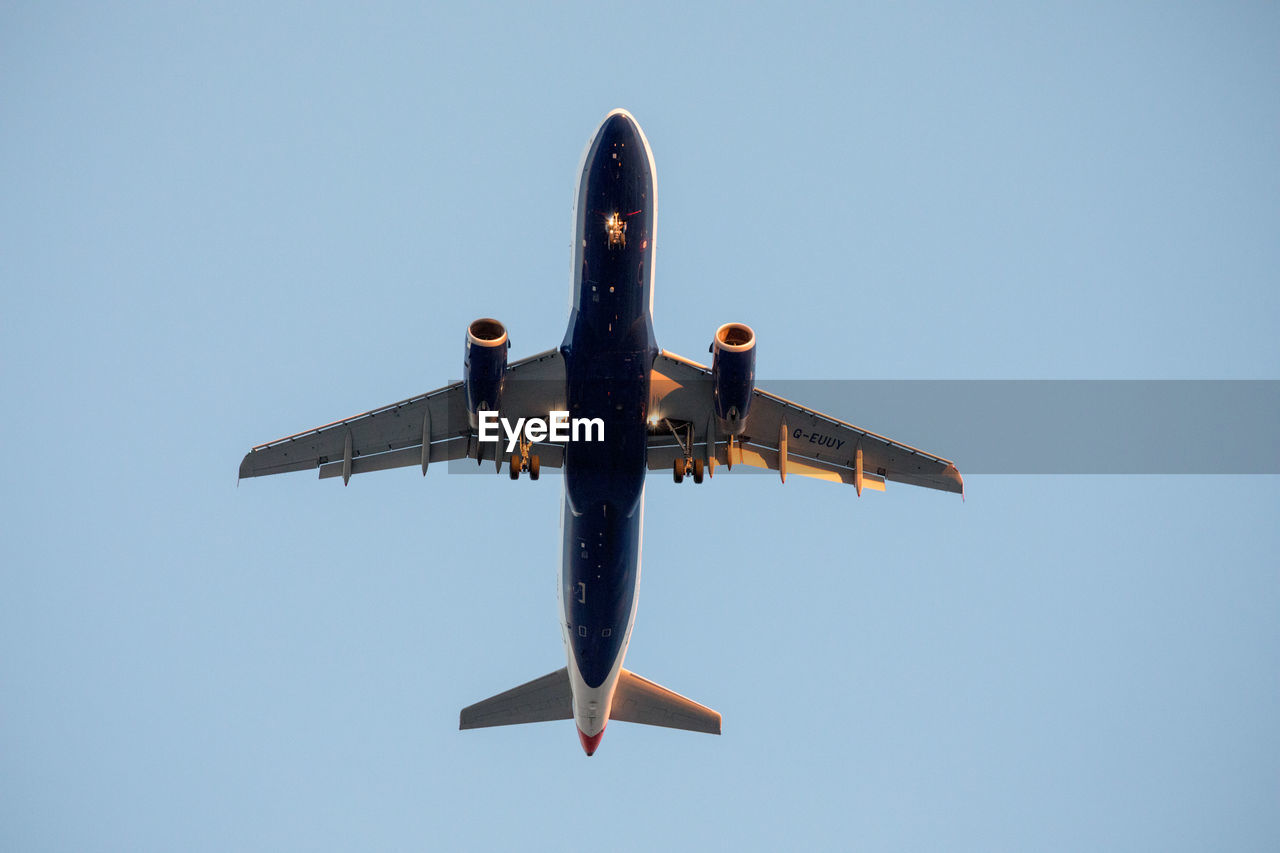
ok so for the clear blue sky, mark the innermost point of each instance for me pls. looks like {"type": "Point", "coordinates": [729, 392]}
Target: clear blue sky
{"type": "Point", "coordinates": [220, 224]}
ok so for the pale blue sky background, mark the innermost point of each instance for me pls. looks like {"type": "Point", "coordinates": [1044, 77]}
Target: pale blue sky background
{"type": "Point", "coordinates": [220, 224]}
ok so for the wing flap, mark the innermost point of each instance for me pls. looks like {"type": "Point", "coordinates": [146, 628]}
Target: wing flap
{"type": "Point", "coordinates": [759, 456]}
{"type": "Point", "coordinates": [441, 451]}
{"type": "Point", "coordinates": [663, 454]}
{"type": "Point", "coordinates": [549, 456]}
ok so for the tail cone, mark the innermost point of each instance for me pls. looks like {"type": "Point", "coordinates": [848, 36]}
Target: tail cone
{"type": "Point", "coordinates": [590, 743]}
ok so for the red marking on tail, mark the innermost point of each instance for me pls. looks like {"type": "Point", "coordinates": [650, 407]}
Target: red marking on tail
{"type": "Point", "coordinates": [590, 743]}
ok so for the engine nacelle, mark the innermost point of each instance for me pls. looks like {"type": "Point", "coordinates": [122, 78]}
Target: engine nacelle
{"type": "Point", "coordinates": [484, 367]}
{"type": "Point", "coordinates": [733, 373]}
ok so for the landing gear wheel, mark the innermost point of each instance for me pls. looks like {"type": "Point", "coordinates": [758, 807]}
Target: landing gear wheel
{"type": "Point", "coordinates": [697, 470]}
{"type": "Point", "coordinates": [677, 472]}
{"type": "Point", "coordinates": [533, 467]}
{"type": "Point", "coordinates": [514, 468]}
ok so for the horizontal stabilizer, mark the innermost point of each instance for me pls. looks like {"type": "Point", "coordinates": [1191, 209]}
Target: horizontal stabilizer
{"type": "Point", "coordinates": [540, 700]}
{"type": "Point", "coordinates": [639, 700]}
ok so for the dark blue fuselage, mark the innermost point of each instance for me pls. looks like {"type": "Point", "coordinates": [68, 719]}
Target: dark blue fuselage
{"type": "Point", "coordinates": [608, 350]}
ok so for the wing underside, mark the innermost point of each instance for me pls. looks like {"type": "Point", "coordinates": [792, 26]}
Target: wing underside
{"type": "Point", "coordinates": [781, 436]}
{"type": "Point", "coordinates": [431, 427]}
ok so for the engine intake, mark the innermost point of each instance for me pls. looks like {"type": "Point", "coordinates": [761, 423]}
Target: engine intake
{"type": "Point", "coordinates": [484, 367]}
{"type": "Point", "coordinates": [733, 373]}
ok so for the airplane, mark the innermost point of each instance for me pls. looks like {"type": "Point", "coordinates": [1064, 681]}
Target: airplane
{"type": "Point", "coordinates": [659, 411]}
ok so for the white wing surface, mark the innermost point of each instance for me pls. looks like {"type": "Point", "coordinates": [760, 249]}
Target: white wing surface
{"type": "Point", "coordinates": [782, 436]}
{"type": "Point", "coordinates": [431, 427]}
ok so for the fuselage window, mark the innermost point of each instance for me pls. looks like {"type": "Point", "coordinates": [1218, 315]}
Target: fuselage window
{"type": "Point", "coordinates": [606, 632]}
{"type": "Point", "coordinates": [582, 630]}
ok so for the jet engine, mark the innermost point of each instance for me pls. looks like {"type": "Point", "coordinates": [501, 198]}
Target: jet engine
{"type": "Point", "coordinates": [485, 366]}
{"type": "Point", "coordinates": [733, 374]}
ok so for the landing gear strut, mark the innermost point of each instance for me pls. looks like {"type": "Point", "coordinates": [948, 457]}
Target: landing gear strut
{"type": "Point", "coordinates": [524, 461]}
{"type": "Point", "coordinates": [685, 463]}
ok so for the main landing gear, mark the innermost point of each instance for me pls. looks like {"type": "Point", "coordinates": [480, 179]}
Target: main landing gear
{"type": "Point", "coordinates": [524, 461]}
{"type": "Point", "coordinates": [686, 463]}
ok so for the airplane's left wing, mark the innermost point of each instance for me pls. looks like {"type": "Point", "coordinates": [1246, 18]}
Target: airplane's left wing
{"type": "Point", "coordinates": [781, 435]}
{"type": "Point", "coordinates": [431, 427]}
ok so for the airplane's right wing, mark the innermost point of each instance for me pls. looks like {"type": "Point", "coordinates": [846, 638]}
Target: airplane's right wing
{"type": "Point", "coordinates": [431, 427]}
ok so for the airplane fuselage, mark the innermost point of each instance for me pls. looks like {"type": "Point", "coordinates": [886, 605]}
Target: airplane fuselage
{"type": "Point", "coordinates": [608, 349]}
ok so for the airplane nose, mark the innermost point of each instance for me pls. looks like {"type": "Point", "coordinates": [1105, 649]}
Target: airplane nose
{"type": "Point", "coordinates": [618, 120]}
{"type": "Point", "coordinates": [619, 159]}
{"type": "Point", "coordinates": [590, 743]}
{"type": "Point", "coordinates": [619, 130]}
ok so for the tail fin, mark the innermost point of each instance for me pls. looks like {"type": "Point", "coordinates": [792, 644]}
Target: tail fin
{"type": "Point", "coordinates": [545, 698]}
{"type": "Point", "coordinates": [639, 700]}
